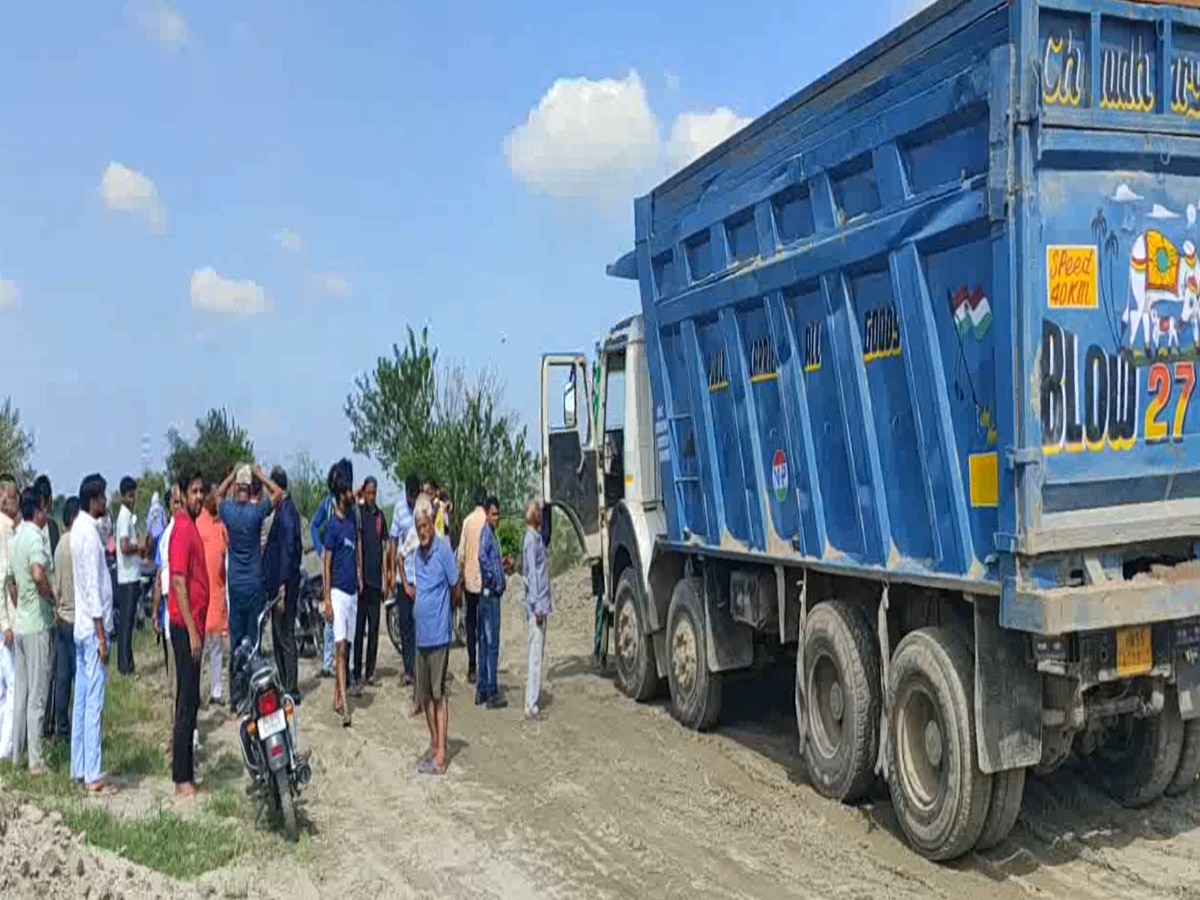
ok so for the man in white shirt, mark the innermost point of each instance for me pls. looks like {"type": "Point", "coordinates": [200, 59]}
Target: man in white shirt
{"type": "Point", "coordinates": [129, 575]}
{"type": "Point", "coordinates": [8, 680]}
{"type": "Point", "coordinates": [93, 623]}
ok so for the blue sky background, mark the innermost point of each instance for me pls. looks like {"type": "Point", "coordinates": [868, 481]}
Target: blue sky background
{"type": "Point", "coordinates": [350, 160]}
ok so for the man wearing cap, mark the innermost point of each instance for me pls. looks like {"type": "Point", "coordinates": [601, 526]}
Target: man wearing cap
{"type": "Point", "coordinates": [243, 522]}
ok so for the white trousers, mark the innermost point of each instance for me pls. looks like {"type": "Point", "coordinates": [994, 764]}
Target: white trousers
{"type": "Point", "coordinates": [536, 647]}
{"type": "Point", "coordinates": [8, 700]}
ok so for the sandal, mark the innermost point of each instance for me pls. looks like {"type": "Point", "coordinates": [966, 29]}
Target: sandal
{"type": "Point", "coordinates": [102, 789]}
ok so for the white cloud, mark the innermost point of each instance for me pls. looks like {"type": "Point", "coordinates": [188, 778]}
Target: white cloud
{"type": "Point", "coordinates": [9, 294]}
{"type": "Point", "coordinates": [125, 190]}
{"type": "Point", "coordinates": [289, 241]}
{"type": "Point", "coordinates": [161, 22]}
{"type": "Point", "coordinates": [586, 138]}
{"type": "Point", "coordinates": [694, 134]}
{"type": "Point", "coordinates": [600, 139]}
{"type": "Point", "coordinates": [212, 292]}
{"type": "Point", "coordinates": [334, 285]}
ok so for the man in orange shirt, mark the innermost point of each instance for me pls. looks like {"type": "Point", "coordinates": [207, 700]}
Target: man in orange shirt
{"type": "Point", "coordinates": [216, 622]}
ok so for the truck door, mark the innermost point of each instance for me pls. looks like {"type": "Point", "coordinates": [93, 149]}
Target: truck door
{"type": "Point", "coordinates": [569, 475]}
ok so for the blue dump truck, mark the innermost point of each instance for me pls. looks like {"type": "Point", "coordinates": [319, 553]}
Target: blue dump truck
{"type": "Point", "coordinates": [909, 402]}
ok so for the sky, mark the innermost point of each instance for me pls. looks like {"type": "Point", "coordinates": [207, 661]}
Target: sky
{"type": "Point", "coordinates": [243, 204]}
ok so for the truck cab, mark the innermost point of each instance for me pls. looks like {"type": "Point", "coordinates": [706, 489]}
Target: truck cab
{"type": "Point", "coordinates": [599, 464]}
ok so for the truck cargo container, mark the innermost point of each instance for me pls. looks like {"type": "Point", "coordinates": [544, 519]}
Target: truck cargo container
{"type": "Point", "coordinates": [909, 396]}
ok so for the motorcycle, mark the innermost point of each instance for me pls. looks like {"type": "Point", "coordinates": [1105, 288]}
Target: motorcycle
{"type": "Point", "coordinates": [391, 615]}
{"type": "Point", "coordinates": [268, 731]}
{"type": "Point", "coordinates": [310, 624]}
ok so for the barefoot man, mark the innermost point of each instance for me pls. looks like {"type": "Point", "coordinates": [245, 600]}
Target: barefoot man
{"type": "Point", "coordinates": [437, 578]}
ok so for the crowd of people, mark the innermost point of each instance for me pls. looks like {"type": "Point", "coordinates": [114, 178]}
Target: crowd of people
{"type": "Point", "coordinates": [219, 554]}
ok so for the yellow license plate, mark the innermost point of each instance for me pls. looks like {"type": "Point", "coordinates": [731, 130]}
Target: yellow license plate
{"type": "Point", "coordinates": [1135, 653]}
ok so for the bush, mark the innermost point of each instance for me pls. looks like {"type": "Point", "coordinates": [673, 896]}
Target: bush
{"type": "Point", "coordinates": [511, 533]}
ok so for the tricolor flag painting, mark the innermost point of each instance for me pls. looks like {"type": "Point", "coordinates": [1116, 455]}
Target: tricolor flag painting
{"type": "Point", "coordinates": [972, 312]}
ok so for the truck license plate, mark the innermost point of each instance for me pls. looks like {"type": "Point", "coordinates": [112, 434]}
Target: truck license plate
{"type": "Point", "coordinates": [272, 724]}
{"type": "Point", "coordinates": [1135, 655]}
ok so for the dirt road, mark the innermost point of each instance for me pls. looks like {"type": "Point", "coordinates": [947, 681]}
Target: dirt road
{"type": "Point", "coordinates": [607, 799]}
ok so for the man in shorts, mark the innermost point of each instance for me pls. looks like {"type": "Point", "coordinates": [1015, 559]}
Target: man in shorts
{"type": "Point", "coordinates": [343, 578]}
{"type": "Point", "coordinates": [437, 579]}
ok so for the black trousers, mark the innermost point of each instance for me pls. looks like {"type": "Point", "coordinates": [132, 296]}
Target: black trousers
{"type": "Point", "coordinates": [366, 631]}
{"type": "Point", "coordinates": [472, 629]}
{"type": "Point", "coordinates": [283, 637]}
{"type": "Point", "coordinates": [127, 601]}
{"type": "Point", "coordinates": [187, 704]}
{"type": "Point", "coordinates": [408, 635]}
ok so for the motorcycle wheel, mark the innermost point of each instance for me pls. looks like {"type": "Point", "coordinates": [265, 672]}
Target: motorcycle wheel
{"type": "Point", "coordinates": [393, 627]}
{"type": "Point", "coordinates": [287, 805]}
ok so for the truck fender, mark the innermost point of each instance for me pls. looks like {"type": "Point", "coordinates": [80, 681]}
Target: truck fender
{"type": "Point", "coordinates": [1008, 694]}
{"type": "Point", "coordinates": [631, 543]}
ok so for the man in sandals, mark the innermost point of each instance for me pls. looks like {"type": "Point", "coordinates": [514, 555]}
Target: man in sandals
{"type": "Point", "coordinates": [437, 579]}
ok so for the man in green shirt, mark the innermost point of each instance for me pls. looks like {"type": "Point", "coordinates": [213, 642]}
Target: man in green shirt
{"type": "Point", "coordinates": [33, 625]}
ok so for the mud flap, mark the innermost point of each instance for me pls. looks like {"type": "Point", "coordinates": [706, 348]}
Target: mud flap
{"type": "Point", "coordinates": [1187, 680]}
{"type": "Point", "coordinates": [801, 715]}
{"type": "Point", "coordinates": [730, 643]}
{"type": "Point", "coordinates": [1008, 694]}
{"type": "Point", "coordinates": [883, 633]}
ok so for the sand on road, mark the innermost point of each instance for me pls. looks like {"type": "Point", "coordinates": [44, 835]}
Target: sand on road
{"type": "Point", "coordinates": [609, 799]}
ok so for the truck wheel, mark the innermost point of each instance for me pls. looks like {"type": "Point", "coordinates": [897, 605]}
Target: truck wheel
{"type": "Point", "coordinates": [1137, 760]}
{"type": "Point", "coordinates": [843, 697]}
{"type": "Point", "coordinates": [636, 674]}
{"type": "Point", "coordinates": [939, 793]}
{"type": "Point", "coordinates": [1189, 761]}
{"type": "Point", "coordinates": [1008, 790]}
{"type": "Point", "coordinates": [695, 691]}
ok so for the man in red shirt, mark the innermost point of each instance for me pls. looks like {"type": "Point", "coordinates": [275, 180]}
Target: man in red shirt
{"type": "Point", "coordinates": [187, 606]}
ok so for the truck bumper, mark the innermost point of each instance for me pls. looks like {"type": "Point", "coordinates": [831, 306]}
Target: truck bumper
{"type": "Point", "coordinates": [1059, 611]}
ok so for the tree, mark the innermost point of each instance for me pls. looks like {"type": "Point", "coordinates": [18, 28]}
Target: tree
{"type": "Point", "coordinates": [220, 444]}
{"type": "Point", "coordinates": [306, 484]}
{"type": "Point", "coordinates": [412, 416]}
{"type": "Point", "coordinates": [16, 444]}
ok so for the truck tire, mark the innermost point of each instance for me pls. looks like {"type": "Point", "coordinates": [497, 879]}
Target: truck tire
{"type": "Point", "coordinates": [637, 676]}
{"type": "Point", "coordinates": [1189, 761]}
{"type": "Point", "coordinates": [938, 791]}
{"type": "Point", "coordinates": [695, 691]}
{"type": "Point", "coordinates": [1008, 790]}
{"type": "Point", "coordinates": [843, 697]}
{"type": "Point", "coordinates": [1137, 761]}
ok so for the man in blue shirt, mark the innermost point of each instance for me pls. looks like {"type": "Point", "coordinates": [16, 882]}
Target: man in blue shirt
{"type": "Point", "coordinates": [281, 566]}
{"type": "Point", "coordinates": [491, 572]}
{"type": "Point", "coordinates": [316, 531]}
{"type": "Point", "coordinates": [243, 521]}
{"type": "Point", "coordinates": [343, 576]}
{"type": "Point", "coordinates": [437, 580]}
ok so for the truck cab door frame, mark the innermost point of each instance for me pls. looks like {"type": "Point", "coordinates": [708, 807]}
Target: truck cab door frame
{"type": "Point", "coordinates": [570, 477]}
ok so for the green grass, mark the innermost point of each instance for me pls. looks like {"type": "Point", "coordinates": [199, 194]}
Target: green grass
{"type": "Point", "coordinates": [181, 848]}
{"type": "Point", "coordinates": [137, 718]}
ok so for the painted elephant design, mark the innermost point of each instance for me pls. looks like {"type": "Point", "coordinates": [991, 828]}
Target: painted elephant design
{"type": "Point", "coordinates": [1160, 273]}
